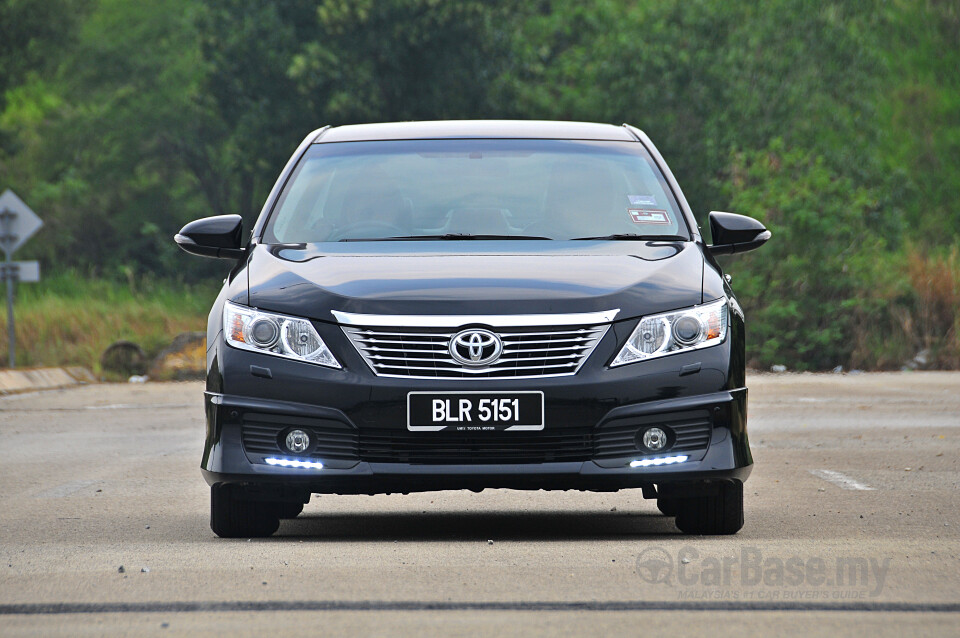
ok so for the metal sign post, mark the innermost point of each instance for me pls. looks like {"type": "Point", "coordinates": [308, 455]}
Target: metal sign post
{"type": "Point", "coordinates": [17, 224]}
{"type": "Point", "coordinates": [11, 329]}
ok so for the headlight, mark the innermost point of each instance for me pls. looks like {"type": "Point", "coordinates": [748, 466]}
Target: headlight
{"type": "Point", "coordinates": [279, 335]}
{"type": "Point", "coordinates": [659, 335]}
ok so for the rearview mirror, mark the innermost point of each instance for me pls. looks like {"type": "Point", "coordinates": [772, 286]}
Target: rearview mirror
{"type": "Point", "coordinates": [735, 233]}
{"type": "Point", "coordinates": [219, 237]}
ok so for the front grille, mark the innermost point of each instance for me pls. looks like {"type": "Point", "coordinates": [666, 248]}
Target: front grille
{"type": "Point", "coordinates": [398, 446]}
{"type": "Point", "coordinates": [424, 352]}
{"type": "Point", "coordinates": [619, 438]}
{"type": "Point", "coordinates": [332, 440]}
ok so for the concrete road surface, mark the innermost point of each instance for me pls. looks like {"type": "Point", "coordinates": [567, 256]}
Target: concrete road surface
{"type": "Point", "coordinates": [852, 521]}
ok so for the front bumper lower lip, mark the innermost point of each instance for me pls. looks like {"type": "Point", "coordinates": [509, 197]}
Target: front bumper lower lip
{"type": "Point", "coordinates": [387, 478]}
{"type": "Point", "coordinates": [365, 468]}
{"type": "Point", "coordinates": [316, 465]}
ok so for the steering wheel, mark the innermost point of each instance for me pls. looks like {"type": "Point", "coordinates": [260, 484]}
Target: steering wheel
{"type": "Point", "coordinates": [370, 229]}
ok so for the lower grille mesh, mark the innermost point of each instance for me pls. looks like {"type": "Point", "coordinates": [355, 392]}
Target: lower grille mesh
{"type": "Point", "coordinates": [333, 440]}
{"type": "Point", "coordinates": [399, 446]}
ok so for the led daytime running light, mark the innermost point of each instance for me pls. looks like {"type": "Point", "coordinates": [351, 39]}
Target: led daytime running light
{"type": "Point", "coordinates": [309, 465]}
{"type": "Point", "coordinates": [663, 460]}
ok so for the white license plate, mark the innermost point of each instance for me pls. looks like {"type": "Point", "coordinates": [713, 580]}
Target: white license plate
{"type": "Point", "coordinates": [474, 411]}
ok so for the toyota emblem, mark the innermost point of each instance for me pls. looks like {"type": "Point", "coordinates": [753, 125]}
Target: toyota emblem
{"type": "Point", "coordinates": [475, 347]}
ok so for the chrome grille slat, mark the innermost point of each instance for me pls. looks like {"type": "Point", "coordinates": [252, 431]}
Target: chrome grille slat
{"type": "Point", "coordinates": [404, 338]}
{"type": "Point", "coordinates": [502, 361]}
{"type": "Point", "coordinates": [528, 352]}
{"type": "Point", "coordinates": [481, 370]}
{"type": "Point", "coordinates": [419, 343]}
{"type": "Point", "coordinates": [383, 356]}
{"type": "Point", "coordinates": [405, 334]}
{"type": "Point", "coordinates": [582, 331]}
{"type": "Point", "coordinates": [414, 350]}
{"type": "Point", "coordinates": [578, 346]}
{"type": "Point", "coordinates": [563, 339]}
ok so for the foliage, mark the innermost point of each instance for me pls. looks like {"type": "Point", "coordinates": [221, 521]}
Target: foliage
{"type": "Point", "coordinates": [819, 289]}
{"type": "Point", "coordinates": [34, 33]}
{"type": "Point", "coordinates": [932, 321]}
{"type": "Point", "coordinates": [375, 60]}
{"type": "Point", "coordinates": [838, 123]}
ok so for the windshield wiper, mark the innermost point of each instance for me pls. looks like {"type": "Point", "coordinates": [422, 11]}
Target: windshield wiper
{"type": "Point", "coordinates": [445, 237]}
{"type": "Point", "coordinates": [635, 237]}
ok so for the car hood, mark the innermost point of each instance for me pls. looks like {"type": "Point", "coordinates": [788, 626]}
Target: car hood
{"type": "Point", "coordinates": [475, 277]}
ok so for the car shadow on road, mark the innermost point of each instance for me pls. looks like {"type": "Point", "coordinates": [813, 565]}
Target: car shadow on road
{"type": "Point", "coordinates": [460, 526]}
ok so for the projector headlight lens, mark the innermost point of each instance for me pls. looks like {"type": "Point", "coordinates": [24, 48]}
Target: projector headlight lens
{"type": "Point", "coordinates": [671, 332]}
{"type": "Point", "coordinates": [687, 329]}
{"type": "Point", "coordinates": [262, 332]}
{"type": "Point", "coordinates": [278, 335]}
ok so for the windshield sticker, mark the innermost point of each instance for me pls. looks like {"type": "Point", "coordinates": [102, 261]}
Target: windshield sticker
{"type": "Point", "coordinates": [642, 200]}
{"type": "Point", "coordinates": [648, 216]}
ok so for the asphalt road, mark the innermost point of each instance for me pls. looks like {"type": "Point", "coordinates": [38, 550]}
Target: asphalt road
{"type": "Point", "coordinates": [852, 527]}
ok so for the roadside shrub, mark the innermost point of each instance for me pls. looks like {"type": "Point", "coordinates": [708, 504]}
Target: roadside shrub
{"type": "Point", "coordinates": [931, 323]}
{"type": "Point", "coordinates": [809, 289]}
{"type": "Point", "coordinates": [70, 317]}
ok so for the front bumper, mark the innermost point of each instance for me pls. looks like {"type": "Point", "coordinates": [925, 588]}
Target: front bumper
{"type": "Point", "coordinates": [599, 409]}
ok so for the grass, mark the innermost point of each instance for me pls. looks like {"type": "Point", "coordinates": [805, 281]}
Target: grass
{"type": "Point", "coordinates": [70, 319]}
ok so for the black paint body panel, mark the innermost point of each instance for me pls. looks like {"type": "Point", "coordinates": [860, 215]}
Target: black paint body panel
{"type": "Point", "coordinates": [598, 403]}
{"type": "Point", "coordinates": [473, 277]}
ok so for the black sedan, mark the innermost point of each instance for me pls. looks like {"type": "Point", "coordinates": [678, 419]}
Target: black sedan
{"type": "Point", "coordinates": [469, 305]}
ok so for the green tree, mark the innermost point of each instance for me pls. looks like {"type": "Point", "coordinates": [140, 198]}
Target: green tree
{"type": "Point", "coordinates": [109, 177]}
{"type": "Point", "coordinates": [382, 60]}
{"type": "Point", "coordinates": [33, 35]}
{"type": "Point", "coordinates": [256, 112]}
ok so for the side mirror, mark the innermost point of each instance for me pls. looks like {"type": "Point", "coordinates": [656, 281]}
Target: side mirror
{"type": "Point", "coordinates": [735, 233]}
{"type": "Point", "coordinates": [219, 237]}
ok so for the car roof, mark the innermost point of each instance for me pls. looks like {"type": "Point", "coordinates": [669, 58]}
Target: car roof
{"type": "Point", "coordinates": [459, 129]}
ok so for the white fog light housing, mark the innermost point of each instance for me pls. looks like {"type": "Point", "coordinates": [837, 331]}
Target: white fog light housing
{"type": "Point", "coordinates": [672, 332]}
{"type": "Point", "coordinates": [278, 335]}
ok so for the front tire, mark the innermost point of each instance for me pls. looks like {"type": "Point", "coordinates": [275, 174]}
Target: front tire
{"type": "Point", "coordinates": [668, 506]}
{"type": "Point", "coordinates": [713, 514]}
{"type": "Point", "coordinates": [233, 514]}
{"type": "Point", "coordinates": [289, 510]}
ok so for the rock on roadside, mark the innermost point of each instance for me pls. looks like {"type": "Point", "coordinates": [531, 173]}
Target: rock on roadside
{"type": "Point", "coordinates": [185, 358]}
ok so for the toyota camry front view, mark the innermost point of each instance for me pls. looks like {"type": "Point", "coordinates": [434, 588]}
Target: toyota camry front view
{"type": "Point", "coordinates": [469, 305]}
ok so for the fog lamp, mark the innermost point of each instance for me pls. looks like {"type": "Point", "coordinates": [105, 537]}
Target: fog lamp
{"type": "Point", "coordinates": [654, 439]}
{"type": "Point", "coordinates": [297, 441]}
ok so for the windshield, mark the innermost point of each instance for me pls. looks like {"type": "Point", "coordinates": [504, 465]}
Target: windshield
{"type": "Point", "coordinates": [474, 189]}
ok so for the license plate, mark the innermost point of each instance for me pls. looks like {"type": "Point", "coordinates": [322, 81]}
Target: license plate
{"type": "Point", "coordinates": [474, 411]}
